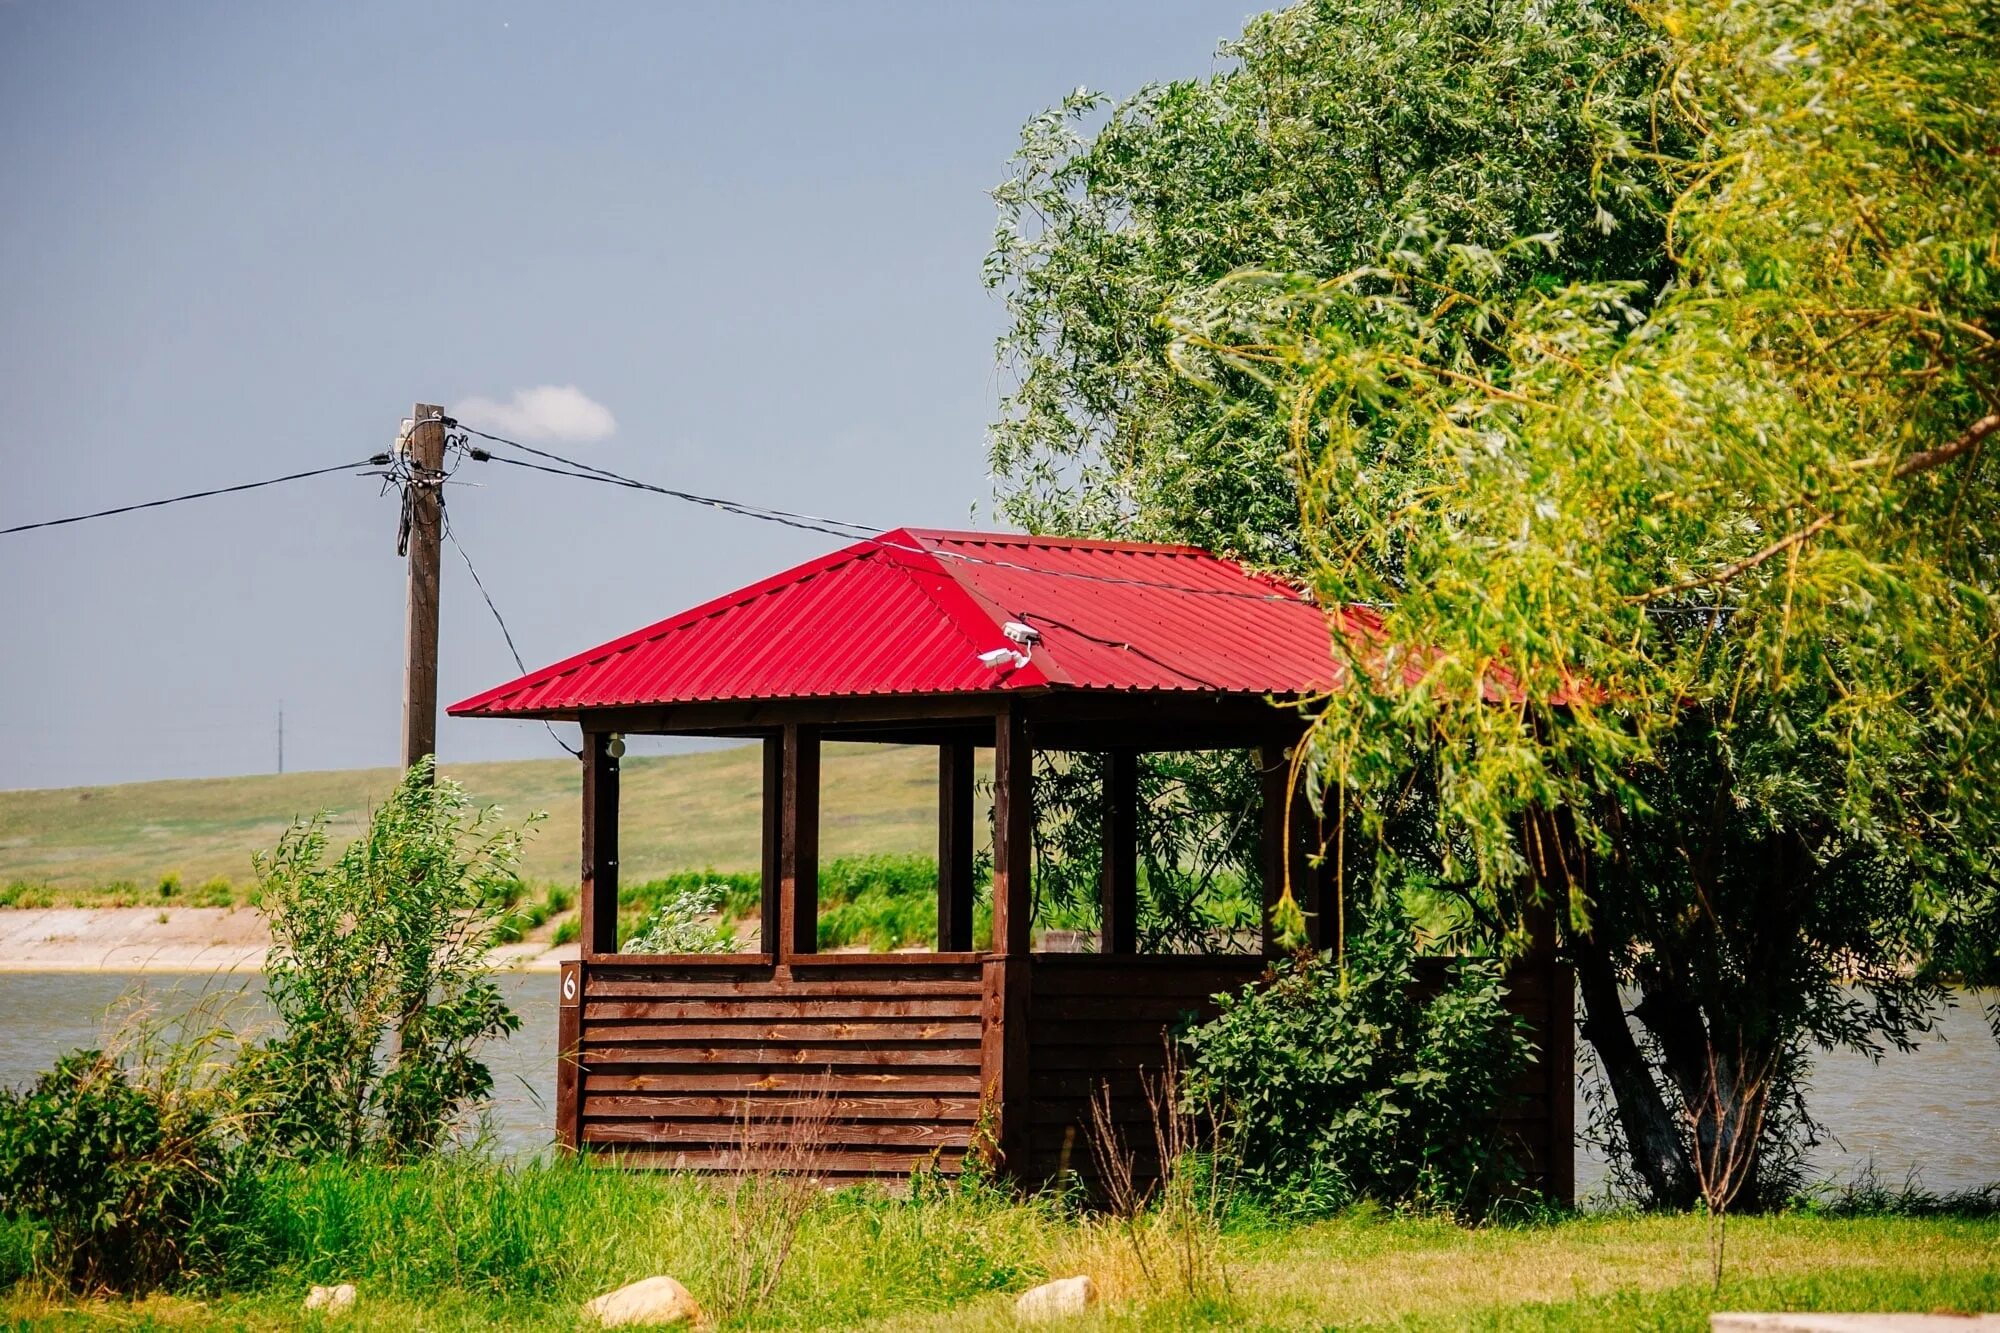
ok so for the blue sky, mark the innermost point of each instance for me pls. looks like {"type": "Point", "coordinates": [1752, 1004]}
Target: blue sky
{"type": "Point", "coordinates": [240, 240]}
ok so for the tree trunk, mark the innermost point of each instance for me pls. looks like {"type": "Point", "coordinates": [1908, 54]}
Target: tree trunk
{"type": "Point", "coordinates": [1651, 1132]}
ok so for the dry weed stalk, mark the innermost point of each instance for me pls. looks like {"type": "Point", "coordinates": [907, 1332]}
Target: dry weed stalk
{"type": "Point", "coordinates": [780, 1157]}
{"type": "Point", "coordinates": [1182, 1208]}
{"type": "Point", "coordinates": [1725, 1126]}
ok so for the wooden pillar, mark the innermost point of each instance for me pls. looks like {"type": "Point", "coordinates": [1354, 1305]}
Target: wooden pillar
{"type": "Point", "coordinates": [769, 927]}
{"type": "Point", "coordinates": [1559, 1073]}
{"type": "Point", "coordinates": [1004, 1050]}
{"type": "Point", "coordinates": [600, 843]}
{"type": "Point", "coordinates": [1317, 886]}
{"type": "Point", "coordinates": [1274, 774]}
{"type": "Point", "coordinates": [955, 850]}
{"type": "Point", "coordinates": [798, 881]}
{"type": "Point", "coordinates": [1118, 873]}
{"type": "Point", "coordinates": [569, 1055]}
{"type": "Point", "coordinates": [1554, 1037]}
{"type": "Point", "coordinates": [1013, 832]}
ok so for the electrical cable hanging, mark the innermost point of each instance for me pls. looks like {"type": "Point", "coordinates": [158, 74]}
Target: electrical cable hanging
{"type": "Point", "coordinates": [832, 527]}
{"type": "Point", "coordinates": [847, 530]}
{"type": "Point", "coordinates": [501, 621]}
{"type": "Point", "coordinates": [812, 522]}
{"type": "Point", "coordinates": [377, 461]}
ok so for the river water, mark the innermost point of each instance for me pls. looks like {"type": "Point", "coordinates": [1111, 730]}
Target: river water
{"type": "Point", "coordinates": [1932, 1114]}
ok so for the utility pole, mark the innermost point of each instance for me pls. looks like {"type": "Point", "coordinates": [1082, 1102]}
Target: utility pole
{"type": "Point", "coordinates": [419, 539]}
{"type": "Point", "coordinates": [281, 735]}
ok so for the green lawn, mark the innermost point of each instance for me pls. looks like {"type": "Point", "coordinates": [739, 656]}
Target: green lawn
{"type": "Point", "coordinates": [475, 1248]}
{"type": "Point", "coordinates": [681, 812]}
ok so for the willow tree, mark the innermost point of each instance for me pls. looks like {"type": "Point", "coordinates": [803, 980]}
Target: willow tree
{"type": "Point", "coordinates": [1331, 125]}
{"type": "Point", "coordinates": [1690, 612]}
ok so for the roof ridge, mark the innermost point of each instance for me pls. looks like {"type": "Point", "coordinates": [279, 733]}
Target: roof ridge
{"type": "Point", "coordinates": [1035, 539]}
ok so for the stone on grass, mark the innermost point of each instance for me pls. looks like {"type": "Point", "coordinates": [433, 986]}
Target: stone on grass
{"type": "Point", "coordinates": [1056, 1300]}
{"type": "Point", "coordinates": [331, 1300]}
{"type": "Point", "coordinates": [653, 1300]}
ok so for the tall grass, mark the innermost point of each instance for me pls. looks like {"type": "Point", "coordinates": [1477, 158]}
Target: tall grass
{"type": "Point", "coordinates": [462, 1242]}
{"type": "Point", "coordinates": [553, 1234]}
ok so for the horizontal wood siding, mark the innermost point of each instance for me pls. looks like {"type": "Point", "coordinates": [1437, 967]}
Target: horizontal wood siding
{"type": "Point", "coordinates": [1097, 1020]}
{"type": "Point", "coordinates": [697, 1065]}
{"type": "Point", "coordinates": [693, 1064]}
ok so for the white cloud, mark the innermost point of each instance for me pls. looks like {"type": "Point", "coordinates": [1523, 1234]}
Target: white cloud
{"type": "Point", "coordinates": [547, 412]}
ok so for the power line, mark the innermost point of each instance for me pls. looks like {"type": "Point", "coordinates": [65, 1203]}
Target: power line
{"type": "Point", "coordinates": [377, 461]}
{"type": "Point", "coordinates": [499, 620]}
{"type": "Point", "coordinates": [832, 527]}
{"type": "Point", "coordinates": [810, 522]}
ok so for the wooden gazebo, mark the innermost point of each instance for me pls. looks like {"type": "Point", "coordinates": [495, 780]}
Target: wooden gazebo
{"type": "Point", "coordinates": [961, 641]}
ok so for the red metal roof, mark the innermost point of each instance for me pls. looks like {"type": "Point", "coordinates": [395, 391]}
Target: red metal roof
{"type": "Point", "coordinates": [911, 612]}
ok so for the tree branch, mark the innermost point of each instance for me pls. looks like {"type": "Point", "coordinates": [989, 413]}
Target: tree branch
{"type": "Point", "coordinates": [1944, 453]}
{"type": "Point", "coordinates": [1923, 461]}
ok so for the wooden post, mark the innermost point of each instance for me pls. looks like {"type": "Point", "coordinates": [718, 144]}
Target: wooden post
{"type": "Point", "coordinates": [769, 921]}
{"type": "Point", "coordinates": [1274, 777]}
{"type": "Point", "coordinates": [1559, 1070]}
{"type": "Point", "coordinates": [1013, 833]}
{"type": "Point", "coordinates": [1118, 877]}
{"type": "Point", "coordinates": [955, 847]}
{"type": "Point", "coordinates": [798, 897]}
{"type": "Point", "coordinates": [1318, 886]}
{"type": "Point", "coordinates": [1004, 1051]}
{"type": "Point", "coordinates": [1555, 1044]}
{"type": "Point", "coordinates": [600, 844]}
{"type": "Point", "coordinates": [569, 1055]}
{"type": "Point", "coordinates": [420, 540]}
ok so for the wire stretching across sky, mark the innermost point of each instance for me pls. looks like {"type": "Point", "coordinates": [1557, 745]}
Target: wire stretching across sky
{"type": "Point", "coordinates": [810, 522]}
{"type": "Point", "coordinates": [832, 527]}
{"type": "Point", "coordinates": [377, 461]}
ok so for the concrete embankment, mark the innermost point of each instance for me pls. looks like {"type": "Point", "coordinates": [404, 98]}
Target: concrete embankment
{"type": "Point", "coordinates": [186, 939]}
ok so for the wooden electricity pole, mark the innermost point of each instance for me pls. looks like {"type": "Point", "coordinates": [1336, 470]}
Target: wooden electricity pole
{"type": "Point", "coordinates": [420, 540]}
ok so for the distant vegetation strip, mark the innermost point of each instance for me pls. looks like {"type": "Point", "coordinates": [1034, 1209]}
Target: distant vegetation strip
{"type": "Point", "coordinates": [119, 845]}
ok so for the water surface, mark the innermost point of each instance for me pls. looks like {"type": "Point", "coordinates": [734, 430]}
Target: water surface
{"type": "Point", "coordinates": [1932, 1114]}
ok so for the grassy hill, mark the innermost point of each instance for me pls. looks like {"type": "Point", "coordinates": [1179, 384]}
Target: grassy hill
{"type": "Point", "coordinates": [680, 812]}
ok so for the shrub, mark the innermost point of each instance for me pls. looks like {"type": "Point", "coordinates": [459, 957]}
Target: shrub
{"type": "Point", "coordinates": [378, 971]}
{"type": "Point", "coordinates": [681, 925]}
{"type": "Point", "coordinates": [1342, 1084]}
{"type": "Point", "coordinates": [115, 1165]}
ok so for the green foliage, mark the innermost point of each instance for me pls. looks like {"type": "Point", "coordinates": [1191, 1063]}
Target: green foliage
{"type": "Point", "coordinates": [525, 912]}
{"type": "Point", "coordinates": [1334, 124]}
{"type": "Point", "coordinates": [169, 891]}
{"type": "Point", "coordinates": [1723, 545]}
{"type": "Point", "coordinates": [681, 925]}
{"type": "Point", "coordinates": [382, 949]}
{"type": "Point", "coordinates": [1341, 1084]}
{"type": "Point", "coordinates": [115, 1164]}
{"type": "Point", "coordinates": [877, 902]}
{"type": "Point", "coordinates": [1198, 834]}
{"type": "Point", "coordinates": [883, 902]}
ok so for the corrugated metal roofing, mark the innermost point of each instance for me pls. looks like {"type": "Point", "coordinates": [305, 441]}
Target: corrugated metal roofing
{"type": "Point", "coordinates": [911, 611]}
